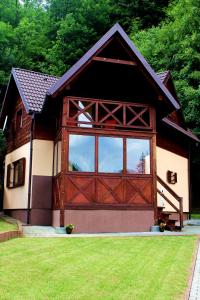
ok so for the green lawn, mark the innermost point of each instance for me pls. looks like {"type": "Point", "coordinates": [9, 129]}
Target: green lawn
{"type": "Point", "coordinates": [4, 226]}
{"type": "Point", "coordinates": [195, 216]}
{"type": "Point", "coordinates": [95, 268]}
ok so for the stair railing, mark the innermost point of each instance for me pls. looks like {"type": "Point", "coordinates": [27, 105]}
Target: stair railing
{"type": "Point", "coordinates": [178, 209]}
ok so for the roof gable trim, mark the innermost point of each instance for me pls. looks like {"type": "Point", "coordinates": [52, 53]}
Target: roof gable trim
{"type": "Point", "coordinates": [20, 90]}
{"type": "Point", "coordinates": [86, 57]}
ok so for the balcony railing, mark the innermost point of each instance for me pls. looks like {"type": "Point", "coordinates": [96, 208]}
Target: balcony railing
{"type": "Point", "coordinates": [98, 113]}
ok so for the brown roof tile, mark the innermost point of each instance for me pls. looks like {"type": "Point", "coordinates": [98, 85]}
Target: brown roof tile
{"type": "Point", "coordinates": [33, 87]}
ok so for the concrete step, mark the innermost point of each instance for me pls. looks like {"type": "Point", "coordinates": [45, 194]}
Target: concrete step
{"type": "Point", "coordinates": [192, 222]}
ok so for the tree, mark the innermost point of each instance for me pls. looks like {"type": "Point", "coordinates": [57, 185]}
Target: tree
{"type": "Point", "coordinates": [76, 32]}
{"type": "Point", "coordinates": [140, 13]}
{"type": "Point", "coordinates": [175, 45]}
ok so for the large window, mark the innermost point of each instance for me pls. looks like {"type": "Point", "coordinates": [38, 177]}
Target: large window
{"type": "Point", "coordinates": [81, 153]}
{"type": "Point", "coordinates": [138, 156]}
{"type": "Point", "coordinates": [109, 154]}
{"type": "Point", "coordinates": [16, 173]}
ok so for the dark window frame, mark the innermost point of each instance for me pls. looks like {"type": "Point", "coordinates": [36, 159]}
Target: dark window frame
{"type": "Point", "coordinates": [16, 173]}
{"type": "Point", "coordinates": [19, 119]}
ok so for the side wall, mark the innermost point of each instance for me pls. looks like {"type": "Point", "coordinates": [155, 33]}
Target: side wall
{"type": "Point", "coordinates": [17, 198]}
{"type": "Point", "coordinates": [167, 160]}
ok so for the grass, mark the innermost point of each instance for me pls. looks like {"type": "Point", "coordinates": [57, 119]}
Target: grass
{"type": "Point", "coordinates": [5, 226]}
{"type": "Point", "coordinates": [195, 216]}
{"type": "Point", "coordinates": [152, 268]}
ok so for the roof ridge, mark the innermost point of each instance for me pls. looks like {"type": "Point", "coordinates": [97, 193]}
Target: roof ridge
{"type": "Point", "coordinates": [35, 72]}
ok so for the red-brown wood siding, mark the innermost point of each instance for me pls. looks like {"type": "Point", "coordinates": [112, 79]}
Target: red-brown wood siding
{"type": "Point", "coordinates": [18, 137]}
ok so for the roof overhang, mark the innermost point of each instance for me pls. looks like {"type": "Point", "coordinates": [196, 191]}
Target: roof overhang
{"type": "Point", "coordinates": [187, 133]}
{"type": "Point", "coordinates": [83, 62]}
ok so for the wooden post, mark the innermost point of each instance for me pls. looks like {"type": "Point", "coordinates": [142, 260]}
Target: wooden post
{"type": "Point", "coordinates": [153, 164]}
{"type": "Point", "coordinates": [181, 212]}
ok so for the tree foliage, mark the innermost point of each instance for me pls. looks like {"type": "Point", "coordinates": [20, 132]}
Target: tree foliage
{"type": "Point", "coordinates": [50, 35]}
{"type": "Point", "coordinates": [175, 45]}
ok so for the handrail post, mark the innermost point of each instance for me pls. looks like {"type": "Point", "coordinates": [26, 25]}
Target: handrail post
{"type": "Point", "coordinates": [181, 211]}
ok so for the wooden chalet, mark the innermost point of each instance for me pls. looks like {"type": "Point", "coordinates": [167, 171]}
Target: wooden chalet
{"type": "Point", "coordinates": [104, 147]}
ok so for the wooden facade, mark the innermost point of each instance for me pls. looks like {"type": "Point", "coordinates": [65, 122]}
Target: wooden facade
{"type": "Point", "coordinates": [97, 190]}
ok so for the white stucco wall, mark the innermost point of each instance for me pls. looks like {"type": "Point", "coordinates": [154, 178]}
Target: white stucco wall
{"type": "Point", "coordinates": [167, 160]}
{"type": "Point", "coordinates": [17, 198]}
{"type": "Point", "coordinates": [42, 158]}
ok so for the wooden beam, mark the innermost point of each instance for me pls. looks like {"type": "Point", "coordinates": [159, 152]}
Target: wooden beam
{"type": "Point", "coordinates": [115, 61]}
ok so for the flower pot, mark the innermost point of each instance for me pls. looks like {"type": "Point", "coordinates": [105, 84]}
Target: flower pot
{"type": "Point", "coordinates": [69, 230]}
{"type": "Point", "coordinates": [155, 228]}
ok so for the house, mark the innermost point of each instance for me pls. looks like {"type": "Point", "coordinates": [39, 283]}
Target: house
{"type": "Point", "coordinates": [104, 147]}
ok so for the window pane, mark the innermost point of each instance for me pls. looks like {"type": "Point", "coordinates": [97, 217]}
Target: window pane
{"type": "Point", "coordinates": [81, 153]}
{"type": "Point", "coordinates": [138, 156]}
{"type": "Point", "coordinates": [110, 155]}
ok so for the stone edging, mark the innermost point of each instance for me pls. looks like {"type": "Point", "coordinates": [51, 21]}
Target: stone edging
{"type": "Point", "coordinates": [192, 269]}
{"type": "Point", "coordinates": [4, 236]}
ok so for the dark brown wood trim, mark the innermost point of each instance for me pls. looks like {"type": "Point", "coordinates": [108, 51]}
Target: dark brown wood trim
{"type": "Point", "coordinates": [108, 207]}
{"type": "Point", "coordinates": [114, 61]}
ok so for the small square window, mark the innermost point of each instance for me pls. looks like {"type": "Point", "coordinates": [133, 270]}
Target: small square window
{"type": "Point", "coordinates": [19, 120]}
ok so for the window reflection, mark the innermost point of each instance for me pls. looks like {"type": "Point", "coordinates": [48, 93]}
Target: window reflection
{"type": "Point", "coordinates": [110, 155]}
{"type": "Point", "coordinates": [81, 153]}
{"type": "Point", "coordinates": [138, 156]}
{"type": "Point", "coordinates": [84, 117]}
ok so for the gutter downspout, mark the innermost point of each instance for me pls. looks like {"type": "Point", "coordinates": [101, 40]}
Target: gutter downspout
{"type": "Point", "coordinates": [30, 169]}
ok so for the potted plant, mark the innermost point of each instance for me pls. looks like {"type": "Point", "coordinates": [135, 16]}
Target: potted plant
{"type": "Point", "coordinates": [69, 228]}
{"type": "Point", "coordinates": [162, 226]}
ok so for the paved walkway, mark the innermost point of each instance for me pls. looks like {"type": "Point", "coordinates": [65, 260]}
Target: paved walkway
{"type": "Point", "coordinates": [49, 231]}
{"type": "Point", "coordinates": [195, 287]}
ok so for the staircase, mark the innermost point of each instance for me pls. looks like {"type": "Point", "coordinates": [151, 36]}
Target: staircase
{"type": "Point", "coordinates": [165, 217]}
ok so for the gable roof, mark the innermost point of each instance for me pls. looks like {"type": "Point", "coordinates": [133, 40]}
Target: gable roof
{"type": "Point", "coordinates": [32, 87]}
{"type": "Point", "coordinates": [88, 55]}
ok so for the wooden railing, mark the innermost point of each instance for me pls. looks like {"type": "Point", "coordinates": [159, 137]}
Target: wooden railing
{"type": "Point", "coordinates": [179, 207]}
{"type": "Point", "coordinates": [103, 113]}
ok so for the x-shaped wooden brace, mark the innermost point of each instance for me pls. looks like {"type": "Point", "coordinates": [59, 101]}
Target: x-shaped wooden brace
{"type": "Point", "coordinates": [111, 113]}
{"type": "Point", "coordinates": [137, 116]}
{"type": "Point", "coordinates": [138, 190]}
{"type": "Point", "coordinates": [83, 110]}
{"type": "Point", "coordinates": [80, 190]}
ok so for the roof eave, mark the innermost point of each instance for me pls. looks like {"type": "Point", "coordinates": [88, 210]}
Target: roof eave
{"type": "Point", "coordinates": [173, 125]}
